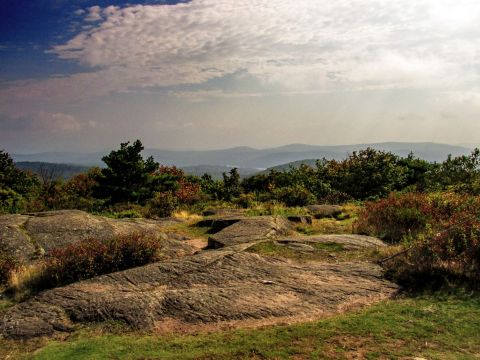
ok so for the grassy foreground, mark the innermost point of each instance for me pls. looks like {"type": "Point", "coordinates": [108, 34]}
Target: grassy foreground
{"type": "Point", "coordinates": [429, 326]}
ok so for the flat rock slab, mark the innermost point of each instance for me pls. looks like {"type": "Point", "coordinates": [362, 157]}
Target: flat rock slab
{"type": "Point", "coordinates": [348, 241]}
{"type": "Point", "coordinates": [24, 236]}
{"type": "Point", "coordinates": [250, 229]}
{"type": "Point", "coordinates": [212, 287]}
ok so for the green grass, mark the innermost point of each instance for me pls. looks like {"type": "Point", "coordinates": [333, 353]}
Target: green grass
{"type": "Point", "coordinates": [5, 303]}
{"type": "Point", "coordinates": [265, 209]}
{"type": "Point", "coordinates": [430, 326]}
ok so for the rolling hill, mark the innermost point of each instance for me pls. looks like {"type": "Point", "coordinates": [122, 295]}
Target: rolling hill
{"type": "Point", "coordinates": [245, 157]}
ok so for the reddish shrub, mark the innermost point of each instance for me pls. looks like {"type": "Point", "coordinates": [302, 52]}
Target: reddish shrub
{"type": "Point", "coordinates": [90, 258]}
{"type": "Point", "coordinates": [444, 231]}
{"type": "Point", "coordinates": [186, 192]}
{"type": "Point", "coordinates": [396, 216]}
{"type": "Point", "coordinates": [456, 246]}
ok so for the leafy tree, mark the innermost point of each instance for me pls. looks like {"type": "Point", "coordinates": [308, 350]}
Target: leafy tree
{"type": "Point", "coordinates": [127, 177]}
{"type": "Point", "coordinates": [22, 182]}
{"type": "Point", "coordinates": [210, 187]}
{"type": "Point", "coordinates": [367, 174]}
{"type": "Point", "coordinates": [16, 186]}
{"type": "Point", "coordinates": [461, 173]}
{"type": "Point", "coordinates": [78, 191]}
{"type": "Point", "coordinates": [418, 172]}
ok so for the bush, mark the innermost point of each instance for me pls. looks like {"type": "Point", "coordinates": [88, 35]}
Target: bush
{"type": "Point", "coordinates": [162, 205]}
{"type": "Point", "coordinates": [186, 189]}
{"type": "Point", "coordinates": [296, 195]}
{"type": "Point", "coordinates": [396, 217]}
{"type": "Point", "coordinates": [335, 197]}
{"type": "Point", "coordinates": [454, 246]}
{"type": "Point", "coordinates": [92, 257]}
{"type": "Point", "coordinates": [10, 201]}
{"type": "Point", "coordinates": [246, 201]}
{"type": "Point", "coordinates": [443, 233]}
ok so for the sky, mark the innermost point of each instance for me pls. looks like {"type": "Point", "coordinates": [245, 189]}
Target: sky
{"type": "Point", "coordinates": [85, 75]}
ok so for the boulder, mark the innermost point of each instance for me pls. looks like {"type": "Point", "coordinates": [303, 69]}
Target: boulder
{"type": "Point", "coordinates": [26, 236]}
{"type": "Point", "coordinates": [347, 241]}
{"type": "Point", "coordinates": [220, 288]}
{"type": "Point", "coordinates": [250, 229]}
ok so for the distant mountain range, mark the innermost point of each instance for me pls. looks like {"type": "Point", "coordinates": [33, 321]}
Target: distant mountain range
{"type": "Point", "coordinates": [248, 160]}
{"type": "Point", "coordinates": [55, 170]}
{"type": "Point", "coordinates": [67, 171]}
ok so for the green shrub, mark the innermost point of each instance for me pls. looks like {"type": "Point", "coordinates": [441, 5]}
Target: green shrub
{"type": "Point", "coordinates": [10, 201]}
{"type": "Point", "coordinates": [128, 214]}
{"type": "Point", "coordinates": [335, 197]}
{"type": "Point", "coordinates": [296, 195]}
{"type": "Point", "coordinates": [162, 205]}
{"type": "Point", "coordinates": [246, 200]}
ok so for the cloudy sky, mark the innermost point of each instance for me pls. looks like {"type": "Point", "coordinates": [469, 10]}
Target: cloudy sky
{"type": "Point", "coordinates": [84, 75]}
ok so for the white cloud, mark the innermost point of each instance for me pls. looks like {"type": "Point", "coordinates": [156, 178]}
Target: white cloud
{"type": "Point", "coordinates": [94, 14]}
{"type": "Point", "coordinates": [42, 122]}
{"type": "Point", "coordinates": [292, 46]}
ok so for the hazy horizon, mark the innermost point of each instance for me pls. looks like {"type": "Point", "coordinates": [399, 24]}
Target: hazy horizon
{"type": "Point", "coordinates": [85, 75]}
{"type": "Point", "coordinates": [466, 146]}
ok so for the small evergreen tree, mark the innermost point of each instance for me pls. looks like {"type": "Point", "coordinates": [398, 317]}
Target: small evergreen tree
{"type": "Point", "coordinates": [127, 177]}
{"type": "Point", "coordinates": [231, 185]}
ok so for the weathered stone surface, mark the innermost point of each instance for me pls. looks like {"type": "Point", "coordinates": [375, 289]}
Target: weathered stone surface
{"type": "Point", "coordinates": [218, 224]}
{"type": "Point", "coordinates": [211, 287]}
{"type": "Point", "coordinates": [250, 229]}
{"type": "Point", "coordinates": [348, 241]}
{"type": "Point", "coordinates": [14, 239]}
{"type": "Point", "coordinates": [322, 211]}
{"type": "Point", "coordinates": [24, 236]}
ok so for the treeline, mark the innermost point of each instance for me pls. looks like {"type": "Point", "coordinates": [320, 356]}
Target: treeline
{"type": "Point", "coordinates": [132, 186]}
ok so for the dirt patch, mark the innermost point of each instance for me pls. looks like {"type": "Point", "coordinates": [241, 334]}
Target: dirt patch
{"type": "Point", "coordinates": [197, 244]}
{"type": "Point", "coordinates": [212, 288]}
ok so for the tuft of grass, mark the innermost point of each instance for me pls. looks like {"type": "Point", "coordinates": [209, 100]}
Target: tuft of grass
{"type": "Point", "coordinates": [25, 280]}
{"type": "Point", "coordinates": [433, 326]}
{"type": "Point", "coordinates": [342, 224]}
{"type": "Point", "coordinates": [264, 209]}
{"type": "Point", "coordinates": [327, 226]}
{"type": "Point", "coordinates": [187, 216]}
